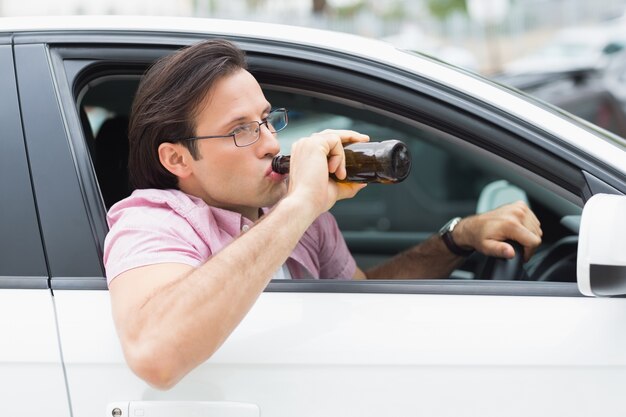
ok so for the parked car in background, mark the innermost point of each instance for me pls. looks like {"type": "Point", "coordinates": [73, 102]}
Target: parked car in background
{"type": "Point", "coordinates": [480, 343]}
{"type": "Point", "coordinates": [579, 72]}
{"type": "Point", "coordinates": [573, 49]}
{"type": "Point", "coordinates": [412, 38]}
{"type": "Point", "coordinates": [614, 78]}
{"type": "Point", "coordinates": [592, 94]}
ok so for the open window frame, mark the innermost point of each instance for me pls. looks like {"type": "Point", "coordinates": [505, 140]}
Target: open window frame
{"type": "Point", "coordinates": [484, 128]}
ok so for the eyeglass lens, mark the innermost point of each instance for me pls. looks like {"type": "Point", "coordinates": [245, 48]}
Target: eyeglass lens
{"type": "Point", "coordinates": [249, 133]}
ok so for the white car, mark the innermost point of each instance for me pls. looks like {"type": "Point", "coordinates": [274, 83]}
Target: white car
{"type": "Point", "coordinates": [478, 344]}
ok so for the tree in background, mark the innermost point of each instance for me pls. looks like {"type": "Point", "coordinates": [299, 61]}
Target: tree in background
{"type": "Point", "coordinates": [441, 9]}
{"type": "Point", "coordinates": [487, 13]}
{"type": "Point", "coordinates": [319, 7]}
{"type": "Point", "coordinates": [254, 4]}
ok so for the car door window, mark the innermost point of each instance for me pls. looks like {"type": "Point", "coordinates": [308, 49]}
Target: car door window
{"type": "Point", "coordinates": [445, 181]}
{"type": "Point", "coordinates": [105, 103]}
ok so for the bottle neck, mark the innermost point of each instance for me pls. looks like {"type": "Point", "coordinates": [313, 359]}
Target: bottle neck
{"type": "Point", "coordinates": [280, 164]}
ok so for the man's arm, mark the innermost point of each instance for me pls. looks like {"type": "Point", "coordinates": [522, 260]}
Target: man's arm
{"type": "Point", "coordinates": [172, 317]}
{"type": "Point", "coordinates": [485, 232]}
{"type": "Point", "coordinates": [430, 259]}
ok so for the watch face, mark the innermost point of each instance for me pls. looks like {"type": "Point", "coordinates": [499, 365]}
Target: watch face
{"type": "Point", "coordinates": [448, 227]}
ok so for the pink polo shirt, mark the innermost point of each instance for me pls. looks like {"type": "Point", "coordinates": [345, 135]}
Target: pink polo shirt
{"type": "Point", "coordinates": [163, 226]}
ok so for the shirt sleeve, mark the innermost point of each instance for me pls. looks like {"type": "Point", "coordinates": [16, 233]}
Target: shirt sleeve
{"type": "Point", "coordinates": [147, 236]}
{"type": "Point", "coordinates": [336, 261]}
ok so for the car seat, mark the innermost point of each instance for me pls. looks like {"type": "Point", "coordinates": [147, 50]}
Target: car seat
{"type": "Point", "coordinates": [498, 193]}
{"type": "Point", "coordinates": [111, 150]}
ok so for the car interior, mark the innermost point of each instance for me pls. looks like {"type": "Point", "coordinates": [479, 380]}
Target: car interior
{"type": "Point", "coordinates": [447, 179]}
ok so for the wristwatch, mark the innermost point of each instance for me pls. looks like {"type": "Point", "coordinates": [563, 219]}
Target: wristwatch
{"type": "Point", "coordinates": [446, 234]}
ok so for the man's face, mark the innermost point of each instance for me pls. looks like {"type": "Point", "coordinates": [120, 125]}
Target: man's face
{"type": "Point", "coordinates": [226, 176]}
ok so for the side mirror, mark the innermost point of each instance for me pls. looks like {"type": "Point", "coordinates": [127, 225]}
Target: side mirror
{"type": "Point", "coordinates": [601, 268]}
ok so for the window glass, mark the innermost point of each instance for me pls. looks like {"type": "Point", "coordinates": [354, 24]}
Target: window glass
{"type": "Point", "coordinates": [105, 105]}
{"type": "Point", "coordinates": [446, 180]}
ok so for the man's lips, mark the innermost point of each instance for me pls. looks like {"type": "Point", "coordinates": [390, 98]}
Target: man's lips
{"type": "Point", "coordinates": [274, 176]}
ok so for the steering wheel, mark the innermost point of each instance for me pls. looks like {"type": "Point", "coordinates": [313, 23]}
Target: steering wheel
{"type": "Point", "coordinates": [506, 269]}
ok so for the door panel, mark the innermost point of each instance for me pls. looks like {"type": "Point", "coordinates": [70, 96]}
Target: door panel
{"type": "Point", "coordinates": [378, 354]}
{"type": "Point", "coordinates": [31, 373]}
{"type": "Point", "coordinates": [31, 382]}
{"type": "Point", "coordinates": [96, 371]}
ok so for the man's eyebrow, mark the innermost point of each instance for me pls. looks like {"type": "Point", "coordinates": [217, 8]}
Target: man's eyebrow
{"type": "Point", "coordinates": [243, 118]}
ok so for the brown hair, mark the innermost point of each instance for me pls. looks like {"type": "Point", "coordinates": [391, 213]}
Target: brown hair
{"type": "Point", "coordinates": [167, 102]}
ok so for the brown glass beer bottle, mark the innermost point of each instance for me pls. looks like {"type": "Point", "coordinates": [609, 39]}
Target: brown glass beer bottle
{"type": "Point", "coordinates": [386, 162]}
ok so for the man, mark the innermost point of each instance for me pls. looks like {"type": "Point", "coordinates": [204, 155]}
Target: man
{"type": "Point", "coordinates": [191, 249]}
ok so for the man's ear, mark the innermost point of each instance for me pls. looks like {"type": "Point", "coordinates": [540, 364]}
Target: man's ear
{"type": "Point", "coordinates": [175, 158]}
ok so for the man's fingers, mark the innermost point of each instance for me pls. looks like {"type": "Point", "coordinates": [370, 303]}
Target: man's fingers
{"type": "Point", "coordinates": [498, 249]}
{"type": "Point", "coordinates": [346, 135]}
{"type": "Point", "coordinates": [336, 167]}
{"type": "Point", "coordinates": [532, 222]}
{"type": "Point", "coordinates": [348, 190]}
{"type": "Point", "coordinates": [528, 253]}
{"type": "Point", "coordinates": [528, 218]}
{"type": "Point", "coordinates": [524, 235]}
{"type": "Point", "coordinates": [505, 250]}
{"type": "Point", "coordinates": [529, 239]}
{"type": "Point", "coordinates": [335, 139]}
{"type": "Point", "coordinates": [537, 227]}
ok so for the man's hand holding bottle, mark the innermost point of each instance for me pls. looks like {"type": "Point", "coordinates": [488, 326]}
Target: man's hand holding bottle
{"type": "Point", "coordinates": [311, 161]}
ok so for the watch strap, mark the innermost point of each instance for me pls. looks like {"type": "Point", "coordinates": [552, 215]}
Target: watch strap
{"type": "Point", "coordinates": [446, 236]}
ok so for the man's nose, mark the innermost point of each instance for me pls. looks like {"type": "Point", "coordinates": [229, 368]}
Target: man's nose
{"type": "Point", "coordinates": [268, 140]}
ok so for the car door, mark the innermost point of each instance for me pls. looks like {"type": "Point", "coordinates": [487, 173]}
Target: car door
{"type": "Point", "coordinates": [32, 381]}
{"type": "Point", "coordinates": [435, 347]}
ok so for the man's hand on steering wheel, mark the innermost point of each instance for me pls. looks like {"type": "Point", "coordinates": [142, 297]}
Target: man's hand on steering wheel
{"type": "Point", "coordinates": [488, 232]}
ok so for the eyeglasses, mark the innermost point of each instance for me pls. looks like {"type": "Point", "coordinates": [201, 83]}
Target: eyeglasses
{"type": "Point", "coordinates": [249, 133]}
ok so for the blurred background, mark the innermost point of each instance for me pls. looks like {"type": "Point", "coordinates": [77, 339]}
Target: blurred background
{"type": "Point", "coordinates": [571, 53]}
